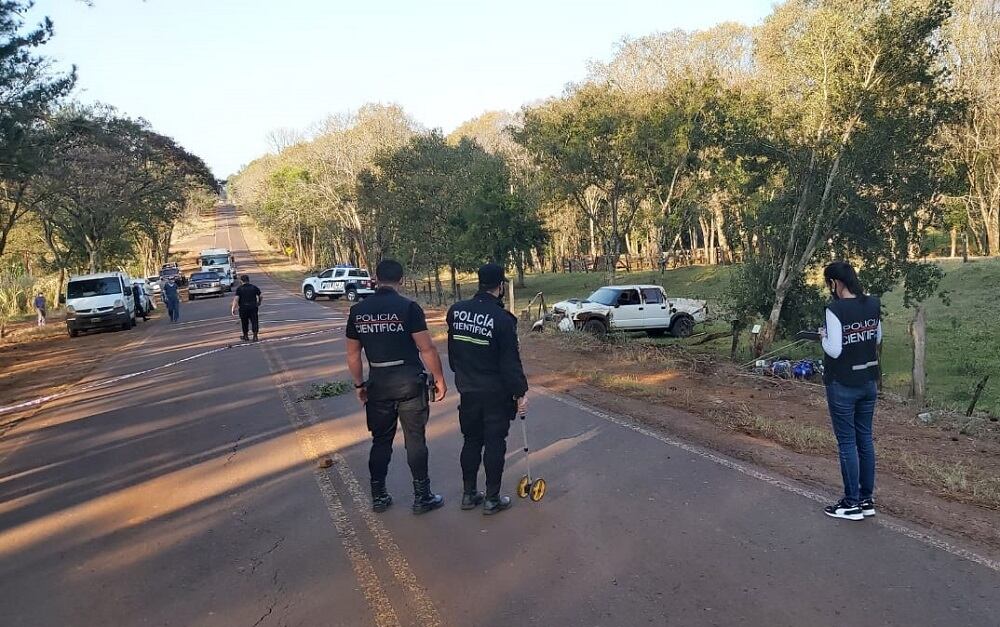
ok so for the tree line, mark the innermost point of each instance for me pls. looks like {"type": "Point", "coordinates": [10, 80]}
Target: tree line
{"type": "Point", "coordinates": [81, 187]}
{"type": "Point", "coordinates": [859, 129]}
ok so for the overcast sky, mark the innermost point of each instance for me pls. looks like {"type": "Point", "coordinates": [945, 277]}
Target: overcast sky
{"type": "Point", "coordinates": [218, 75]}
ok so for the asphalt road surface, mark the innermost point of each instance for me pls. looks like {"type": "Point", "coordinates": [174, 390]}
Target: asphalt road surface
{"type": "Point", "coordinates": [191, 495]}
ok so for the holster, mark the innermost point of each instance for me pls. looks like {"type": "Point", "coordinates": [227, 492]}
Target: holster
{"type": "Point", "coordinates": [398, 383]}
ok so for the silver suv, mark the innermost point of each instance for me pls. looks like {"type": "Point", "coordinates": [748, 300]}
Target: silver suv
{"type": "Point", "coordinates": [205, 284]}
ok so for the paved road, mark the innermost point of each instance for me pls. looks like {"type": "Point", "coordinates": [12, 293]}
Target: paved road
{"type": "Point", "coordinates": [191, 496]}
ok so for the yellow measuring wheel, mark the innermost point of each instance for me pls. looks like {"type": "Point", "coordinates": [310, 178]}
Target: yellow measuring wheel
{"type": "Point", "coordinates": [528, 487]}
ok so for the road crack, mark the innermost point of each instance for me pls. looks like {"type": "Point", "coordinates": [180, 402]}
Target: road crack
{"type": "Point", "coordinates": [259, 559]}
{"type": "Point", "coordinates": [233, 450]}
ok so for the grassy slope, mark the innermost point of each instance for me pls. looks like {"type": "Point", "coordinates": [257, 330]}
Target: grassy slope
{"type": "Point", "coordinates": [963, 337]}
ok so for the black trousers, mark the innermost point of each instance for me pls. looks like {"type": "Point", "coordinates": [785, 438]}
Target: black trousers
{"type": "Point", "coordinates": [248, 319]}
{"type": "Point", "coordinates": [400, 398]}
{"type": "Point", "coordinates": [485, 421]}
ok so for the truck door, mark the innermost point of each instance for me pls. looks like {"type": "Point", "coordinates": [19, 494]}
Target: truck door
{"type": "Point", "coordinates": [628, 311]}
{"type": "Point", "coordinates": [657, 315]}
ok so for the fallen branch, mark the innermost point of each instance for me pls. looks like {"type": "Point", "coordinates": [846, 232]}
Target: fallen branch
{"type": "Point", "coordinates": [711, 337]}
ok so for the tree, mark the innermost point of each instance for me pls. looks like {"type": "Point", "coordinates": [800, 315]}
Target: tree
{"type": "Point", "coordinates": [973, 57]}
{"type": "Point", "coordinates": [27, 92]}
{"type": "Point", "coordinates": [856, 93]}
{"type": "Point", "coordinates": [109, 179]}
{"type": "Point", "coordinates": [585, 148]}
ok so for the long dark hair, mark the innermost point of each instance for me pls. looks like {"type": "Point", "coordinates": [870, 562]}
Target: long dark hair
{"type": "Point", "coordinates": [844, 272]}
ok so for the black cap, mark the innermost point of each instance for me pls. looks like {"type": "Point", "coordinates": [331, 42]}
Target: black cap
{"type": "Point", "coordinates": [491, 274]}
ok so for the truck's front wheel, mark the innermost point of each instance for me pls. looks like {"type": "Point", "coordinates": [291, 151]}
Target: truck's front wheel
{"type": "Point", "coordinates": [309, 292]}
{"type": "Point", "coordinates": [682, 327]}
{"type": "Point", "coordinates": [595, 326]}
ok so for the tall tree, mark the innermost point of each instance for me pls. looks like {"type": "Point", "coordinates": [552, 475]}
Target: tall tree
{"type": "Point", "coordinates": [857, 92]}
{"type": "Point", "coordinates": [109, 179]}
{"type": "Point", "coordinates": [973, 56]}
{"type": "Point", "coordinates": [585, 147]}
{"type": "Point", "coordinates": [27, 92]}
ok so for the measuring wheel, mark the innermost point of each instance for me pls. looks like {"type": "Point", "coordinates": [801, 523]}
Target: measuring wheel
{"type": "Point", "coordinates": [528, 487]}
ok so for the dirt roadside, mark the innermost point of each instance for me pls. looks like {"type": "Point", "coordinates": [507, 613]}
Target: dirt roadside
{"type": "Point", "coordinates": [944, 475]}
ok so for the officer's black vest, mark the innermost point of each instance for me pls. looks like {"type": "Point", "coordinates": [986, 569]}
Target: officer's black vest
{"type": "Point", "coordinates": [382, 323]}
{"type": "Point", "coordinates": [858, 361]}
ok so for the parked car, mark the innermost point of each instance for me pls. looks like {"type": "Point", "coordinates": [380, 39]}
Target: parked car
{"type": "Point", "coordinates": [205, 284]}
{"type": "Point", "coordinates": [173, 272]}
{"type": "Point", "coordinates": [96, 301]}
{"type": "Point", "coordinates": [631, 308]}
{"type": "Point", "coordinates": [145, 296]}
{"type": "Point", "coordinates": [354, 283]}
{"type": "Point", "coordinates": [154, 284]}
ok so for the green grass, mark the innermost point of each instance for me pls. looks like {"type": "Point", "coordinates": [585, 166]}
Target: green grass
{"type": "Point", "coordinates": [963, 338]}
{"type": "Point", "coordinates": [707, 282]}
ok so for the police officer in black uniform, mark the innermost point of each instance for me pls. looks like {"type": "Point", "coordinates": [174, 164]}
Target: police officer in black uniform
{"type": "Point", "coordinates": [248, 300]}
{"type": "Point", "coordinates": [392, 332]}
{"type": "Point", "coordinates": [483, 353]}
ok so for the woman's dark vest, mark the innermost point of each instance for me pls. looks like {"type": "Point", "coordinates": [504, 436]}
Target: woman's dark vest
{"type": "Point", "coordinates": [858, 361]}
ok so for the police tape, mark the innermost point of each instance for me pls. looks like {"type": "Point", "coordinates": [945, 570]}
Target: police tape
{"type": "Point", "coordinates": [35, 402]}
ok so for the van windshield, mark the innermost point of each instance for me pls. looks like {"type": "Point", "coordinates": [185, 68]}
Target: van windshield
{"type": "Point", "coordinates": [84, 288]}
{"type": "Point", "coordinates": [215, 260]}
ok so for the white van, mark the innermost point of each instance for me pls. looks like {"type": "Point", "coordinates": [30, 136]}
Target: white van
{"type": "Point", "coordinates": [98, 301]}
{"type": "Point", "coordinates": [220, 261]}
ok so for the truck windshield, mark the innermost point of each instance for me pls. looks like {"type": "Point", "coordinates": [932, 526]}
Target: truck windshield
{"type": "Point", "coordinates": [205, 276]}
{"type": "Point", "coordinates": [215, 260]}
{"type": "Point", "coordinates": [604, 296]}
{"type": "Point", "coordinates": [84, 288]}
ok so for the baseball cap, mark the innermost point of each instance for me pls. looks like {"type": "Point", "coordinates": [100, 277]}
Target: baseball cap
{"type": "Point", "coordinates": [491, 274]}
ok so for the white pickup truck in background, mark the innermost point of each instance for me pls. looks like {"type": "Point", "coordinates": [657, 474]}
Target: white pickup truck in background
{"type": "Point", "coordinates": [631, 308]}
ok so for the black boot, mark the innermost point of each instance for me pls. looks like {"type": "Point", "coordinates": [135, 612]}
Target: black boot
{"type": "Point", "coordinates": [381, 500]}
{"type": "Point", "coordinates": [423, 499]}
{"type": "Point", "coordinates": [471, 498]}
{"type": "Point", "coordinates": [494, 503]}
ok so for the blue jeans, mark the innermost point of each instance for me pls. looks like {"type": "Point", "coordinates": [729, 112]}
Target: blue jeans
{"type": "Point", "coordinates": [174, 309]}
{"type": "Point", "coordinates": [852, 410]}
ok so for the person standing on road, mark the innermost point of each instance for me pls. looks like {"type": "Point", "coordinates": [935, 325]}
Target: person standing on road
{"type": "Point", "coordinates": [248, 300]}
{"type": "Point", "coordinates": [851, 339]}
{"type": "Point", "coordinates": [173, 299]}
{"type": "Point", "coordinates": [140, 308]}
{"type": "Point", "coordinates": [483, 353]}
{"type": "Point", "coordinates": [40, 308]}
{"type": "Point", "coordinates": [392, 332]}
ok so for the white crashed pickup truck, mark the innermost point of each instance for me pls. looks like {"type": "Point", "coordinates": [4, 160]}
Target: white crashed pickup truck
{"type": "Point", "coordinates": [631, 308]}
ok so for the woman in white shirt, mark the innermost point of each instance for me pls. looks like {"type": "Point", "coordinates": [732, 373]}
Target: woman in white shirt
{"type": "Point", "coordinates": [851, 338]}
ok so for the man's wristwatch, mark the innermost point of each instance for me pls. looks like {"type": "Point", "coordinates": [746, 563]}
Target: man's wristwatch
{"type": "Point", "coordinates": [358, 386]}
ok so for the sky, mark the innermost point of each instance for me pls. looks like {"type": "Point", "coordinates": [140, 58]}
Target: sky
{"type": "Point", "coordinates": [219, 75]}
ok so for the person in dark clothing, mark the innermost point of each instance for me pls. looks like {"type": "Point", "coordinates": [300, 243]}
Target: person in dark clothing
{"type": "Point", "coordinates": [483, 353]}
{"type": "Point", "coordinates": [851, 339]}
{"type": "Point", "coordinates": [392, 332]}
{"type": "Point", "coordinates": [247, 300]}
{"type": "Point", "coordinates": [140, 309]}
{"type": "Point", "coordinates": [172, 298]}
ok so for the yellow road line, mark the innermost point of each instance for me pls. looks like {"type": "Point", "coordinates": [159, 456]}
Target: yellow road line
{"type": "Point", "coordinates": [364, 572]}
{"type": "Point", "coordinates": [421, 605]}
